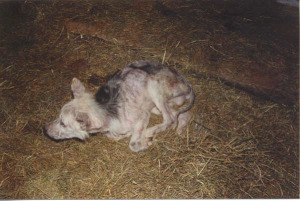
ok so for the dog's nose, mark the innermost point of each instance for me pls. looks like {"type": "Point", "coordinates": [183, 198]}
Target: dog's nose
{"type": "Point", "coordinates": [47, 127]}
{"type": "Point", "coordinates": [46, 133]}
{"type": "Point", "coordinates": [45, 130]}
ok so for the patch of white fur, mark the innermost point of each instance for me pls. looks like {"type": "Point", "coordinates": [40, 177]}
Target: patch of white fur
{"type": "Point", "coordinates": [71, 128]}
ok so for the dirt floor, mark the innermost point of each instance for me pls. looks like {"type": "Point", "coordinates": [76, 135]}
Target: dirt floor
{"type": "Point", "coordinates": [241, 58]}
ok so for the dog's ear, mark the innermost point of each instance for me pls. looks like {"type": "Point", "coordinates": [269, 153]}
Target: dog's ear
{"type": "Point", "coordinates": [88, 123]}
{"type": "Point", "coordinates": [83, 119]}
{"type": "Point", "coordinates": [77, 88]}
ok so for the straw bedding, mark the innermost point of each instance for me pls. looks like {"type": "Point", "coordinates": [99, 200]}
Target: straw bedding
{"type": "Point", "coordinates": [241, 58]}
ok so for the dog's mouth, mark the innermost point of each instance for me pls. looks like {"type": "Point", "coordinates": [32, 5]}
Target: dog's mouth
{"type": "Point", "coordinates": [95, 130]}
{"type": "Point", "coordinates": [48, 135]}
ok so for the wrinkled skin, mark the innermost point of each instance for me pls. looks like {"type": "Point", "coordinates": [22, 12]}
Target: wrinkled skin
{"type": "Point", "coordinates": [123, 106]}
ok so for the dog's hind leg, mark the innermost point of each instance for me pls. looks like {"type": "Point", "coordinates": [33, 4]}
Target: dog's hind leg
{"type": "Point", "coordinates": [169, 119]}
{"type": "Point", "coordinates": [139, 141]}
{"type": "Point", "coordinates": [183, 120]}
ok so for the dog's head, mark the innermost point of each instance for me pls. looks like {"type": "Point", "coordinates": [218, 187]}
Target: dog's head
{"type": "Point", "coordinates": [77, 118]}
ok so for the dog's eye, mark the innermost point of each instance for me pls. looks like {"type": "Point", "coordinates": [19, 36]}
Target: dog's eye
{"type": "Point", "coordinates": [80, 121]}
{"type": "Point", "coordinates": [62, 123]}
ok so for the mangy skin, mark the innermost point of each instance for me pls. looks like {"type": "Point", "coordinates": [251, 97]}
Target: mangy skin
{"type": "Point", "coordinates": [122, 107]}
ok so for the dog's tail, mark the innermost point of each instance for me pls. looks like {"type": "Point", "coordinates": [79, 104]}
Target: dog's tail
{"type": "Point", "coordinates": [190, 96]}
{"type": "Point", "coordinates": [185, 89]}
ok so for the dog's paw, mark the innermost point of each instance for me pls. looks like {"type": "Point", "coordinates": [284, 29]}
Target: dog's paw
{"type": "Point", "coordinates": [140, 145]}
{"type": "Point", "coordinates": [180, 131]}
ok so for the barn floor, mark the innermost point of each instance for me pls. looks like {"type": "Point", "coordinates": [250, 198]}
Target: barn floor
{"type": "Point", "coordinates": [241, 58]}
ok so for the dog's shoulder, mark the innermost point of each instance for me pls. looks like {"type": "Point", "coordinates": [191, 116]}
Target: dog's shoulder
{"type": "Point", "coordinates": [108, 95]}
